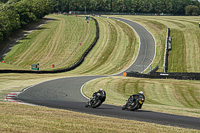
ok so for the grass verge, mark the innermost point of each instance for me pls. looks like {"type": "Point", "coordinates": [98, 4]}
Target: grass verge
{"type": "Point", "coordinates": [168, 96]}
{"type": "Point", "coordinates": [23, 118]}
{"type": "Point", "coordinates": [185, 32]}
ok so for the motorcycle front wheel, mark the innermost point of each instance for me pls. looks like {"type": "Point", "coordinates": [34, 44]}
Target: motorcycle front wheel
{"type": "Point", "coordinates": [123, 107]}
{"type": "Point", "coordinates": [87, 104]}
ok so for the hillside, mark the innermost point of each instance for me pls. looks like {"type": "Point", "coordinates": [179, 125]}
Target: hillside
{"type": "Point", "coordinates": [185, 33]}
{"type": "Point", "coordinates": [116, 49]}
{"type": "Point", "coordinates": [55, 43]}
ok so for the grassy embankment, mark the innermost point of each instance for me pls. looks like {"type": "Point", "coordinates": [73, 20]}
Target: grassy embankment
{"type": "Point", "coordinates": [116, 49]}
{"type": "Point", "coordinates": [185, 33]}
{"type": "Point", "coordinates": [25, 118]}
{"type": "Point", "coordinates": [54, 43]}
{"type": "Point", "coordinates": [115, 39]}
{"type": "Point", "coordinates": [170, 96]}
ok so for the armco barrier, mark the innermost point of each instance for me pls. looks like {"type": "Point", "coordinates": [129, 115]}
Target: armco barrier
{"type": "Point", "coordinates": [78, 63]}
{"type": "Point", "coordinates": [165, 65]}
{"type": "Point", "coordinates": [160, 75]}
{"type": "Point", "coordinates": [153, 70]}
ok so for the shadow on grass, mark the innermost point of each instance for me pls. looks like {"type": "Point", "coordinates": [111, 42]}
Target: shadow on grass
{"type": "Point", "coordinates": [41, 28]}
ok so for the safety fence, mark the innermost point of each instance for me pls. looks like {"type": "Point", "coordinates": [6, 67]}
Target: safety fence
{"type": "Point", "coordinates": [116, 13]}
{"type": "Point", "coordinates": [153, 70]}
{"type": "Point", "coordinates": [78, 63]}
{"type": "Point", "coordinates": [165, 65]}
{"type": "Point", "coordinates": [161, 75]}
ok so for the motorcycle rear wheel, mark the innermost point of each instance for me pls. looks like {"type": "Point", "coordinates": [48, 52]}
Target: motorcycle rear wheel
{"type": "Point", "coordinates": [123, 107]}
{"type": "Point", "coordinates": [97, 104]}
{"type": "Point", "coordinates": [134, 107]}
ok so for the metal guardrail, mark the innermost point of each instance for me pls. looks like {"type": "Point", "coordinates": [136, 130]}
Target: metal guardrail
{"type": "Point", "coordinates": [165, 65]}
{"type": "Point", "coordinates": [159, 75]}
{"type": "Point", "coordinates": [118, 13]}
{"type": "Point", "coordinates": [153, 70]}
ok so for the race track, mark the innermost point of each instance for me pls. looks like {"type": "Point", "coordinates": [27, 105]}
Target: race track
{"type": "Point", "coordinates": [65, 93]}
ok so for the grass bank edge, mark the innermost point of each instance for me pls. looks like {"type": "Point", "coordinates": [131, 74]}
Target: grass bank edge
{"type": "Point", "coordinates": [167, 96]}
{"type": "Point", "coordinates": [42, 119]}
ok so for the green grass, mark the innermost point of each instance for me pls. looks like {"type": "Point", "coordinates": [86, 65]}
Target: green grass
{"type": "Point", "coordinates": [116, 49]}
{"type": "Point", "coordinates": [185, 40]}
{"type": "Point", "coordinates": [185, 32]}
{"type": "Point", "coordinates": [169, 96]}
{"type": "Point", "coordinates": [53, 43]}
{"type": "Point", "coordinates": [22, 118]}
{"type": "Point", "coordinates": [177, 64]}
{"type": "Point", "coordinates": [121, 54]}
{"type": "Point", "coordinates": [161, 95]}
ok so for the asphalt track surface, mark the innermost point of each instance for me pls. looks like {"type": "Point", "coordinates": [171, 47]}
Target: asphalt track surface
{"type": "Point", "coordinates": [66, 93]}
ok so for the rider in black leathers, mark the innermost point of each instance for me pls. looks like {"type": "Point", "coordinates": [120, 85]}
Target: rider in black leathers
{"type": "Point", "coordinates": [136, 97]}
{"type": "Point", "coordinates": [102, 93]}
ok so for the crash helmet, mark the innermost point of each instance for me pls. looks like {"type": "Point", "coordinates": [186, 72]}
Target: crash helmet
{"type": "Point", "coordinates": [141, 92]}
{"type": "Point", "coordinates": [101, 89]}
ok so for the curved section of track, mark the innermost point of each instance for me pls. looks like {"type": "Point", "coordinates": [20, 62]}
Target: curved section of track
{"type": "Point", "coordinates": [65, 93]}
{"type": "Point", "coordinates": [147, 49]}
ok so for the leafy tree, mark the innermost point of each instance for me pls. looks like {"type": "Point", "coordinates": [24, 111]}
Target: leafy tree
{"type": "Point", "coordinates": [9, 20]}
{"type": "Point", "coordinates": [55, 5]}
{"type": "Point", "coordinates": [134, 7]}
{"type": "Point", "coordinates": [168, 6]}
{"type": "Point", "coordinates": [24, 10]}
{"type": "Point", "coordinates": [159, 6]}
{"type": "Point", "coordinates": [105, 5]}
{"type": "Point", "coordinates": [192, 10]}
{"type": "Point", "coordinates": [148, 7]}
{"type": "Point", "coordinates": [65, 6]}
{"type": "Point", "coordinates": [73, 5]}
{"type": "Point", "coordinates": [48, 7]}
{"type": "Point", "coordinates": [1, 36]}
{"type": "Point", "coordinates": [16, 13]}
{"type": "Point", "coordinates": [3, 1]}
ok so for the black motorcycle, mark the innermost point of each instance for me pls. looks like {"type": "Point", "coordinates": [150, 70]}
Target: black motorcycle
{"type": "Point", "coordinates": [133, 104]}
{"type": "Point", "coordinates": [94, 101]}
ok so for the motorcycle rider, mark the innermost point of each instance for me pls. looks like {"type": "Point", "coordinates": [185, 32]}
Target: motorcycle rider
{"type": "Point", "coordinates": [136, 97]}
{"type": "Point", "coordinates": [102, 95]}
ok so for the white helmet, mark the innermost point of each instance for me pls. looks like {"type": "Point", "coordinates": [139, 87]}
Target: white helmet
{"type": "Point", "coordinates": [141, 92]}
{"type": "Point", "coordinates": [101, 89]}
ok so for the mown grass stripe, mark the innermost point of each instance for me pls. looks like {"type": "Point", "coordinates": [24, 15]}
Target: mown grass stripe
{"type": "Point", "coordinates": [108, 49]}
{"type": "Point", "coordinates": [45, 49]}
{"type": "Point", "coordinates": [194, 97]}
{"type": "Point", "coordinates": [179, 48]}
{"type": "Point", "coordinates": [184, 98]}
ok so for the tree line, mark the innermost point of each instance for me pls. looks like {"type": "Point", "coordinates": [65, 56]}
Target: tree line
{"type": "Point", "coordinates": [176, 7]}
{"type": "Point", "coordinates": [14, 14]}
